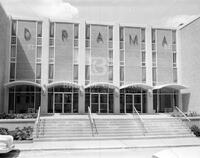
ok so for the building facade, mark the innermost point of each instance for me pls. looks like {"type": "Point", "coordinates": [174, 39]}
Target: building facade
{"type": "Point", "coordinates": [68, 66]}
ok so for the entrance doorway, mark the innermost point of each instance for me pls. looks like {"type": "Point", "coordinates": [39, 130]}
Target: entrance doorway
{"type": "Point", "coordinates": [133, 100]}
{"type": "Point", "coordinates": [99, 103]}
{"type": "Point", "coordinates": [100, 99]}
{"type": "Point", "coordinates": [63, 103]}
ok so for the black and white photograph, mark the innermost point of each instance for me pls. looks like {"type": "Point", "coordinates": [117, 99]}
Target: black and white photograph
{"type": "Point", "coordinates": [99, 78]}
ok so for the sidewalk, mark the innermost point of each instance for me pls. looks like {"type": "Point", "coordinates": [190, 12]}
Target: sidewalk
{"type": "Point", "coordinates": [108, 144]}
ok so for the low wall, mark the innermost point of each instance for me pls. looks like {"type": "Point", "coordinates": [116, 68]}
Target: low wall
{"type": "Point", "coordinates": [11, 124]}
{"type": "Point", "coordinates": [193, 121]}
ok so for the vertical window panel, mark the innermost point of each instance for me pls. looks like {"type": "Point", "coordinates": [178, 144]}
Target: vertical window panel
{"type": "Point", "coordinates": [14, 24]}
{"type": "Point", "coordinates": [39, 52]}
{"type": "Point", "coordinates": [143, 35]}
{"type": "Point", "coordinates": [154, 74]}
{"type": "Point", "coordinates": [12, 70]}
{"type": "Point", "coordinates": [75, 72]}
{"type": "Point", "coordinates": [39, 29]}
{"type": "Point", "coordinates": [87, 72]}
{"type": "Point", "coordinates": [110, 73]}
{"type": "Point", "coordinates": [87, 57]}
{"type": "Point", "coordinates": [143, 58]}
{"type": "Point", "coordinates": [173, 37]}
{"type": "Point", "coordinates": [121, 33]}
{"type": "Point", "coordinates": [175, 75]}
{"type": "Point", "coordinates": [87, 32]}
{"type": "Point", "coordinates": [110, 33]}
{"type": "Point", "coordinates": [143, 74]}
{"type": "Point", "coordinates": [51, 52]}
{"type": "Point", "coordinates": [75, 56]}
{"type": "Point", "coordinates": [13, 51]}
{"type": "Point", "coordinates": [121, 73]}
{"type": "Point", "coordinates": [51, 71]}
{"type": "Point", "coordinates": [110, 57]}
{"type": "Point", "coordinates": [51, 33]}
{"type": "Point", "coordinates": [76, 31]}
{"type": "Point", "coordinates": [38, 71]}
{"type": "Point", "coordinates": [121, 56]}
{"type": "Point", "coordinates": [153, 36]}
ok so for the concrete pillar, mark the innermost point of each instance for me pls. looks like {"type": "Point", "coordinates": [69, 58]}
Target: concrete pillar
{"type": "Point", "coordinates": [45, 65]}
{"type": "Point", "coordinates": [180, 105]}
{"type": "Point", "coordinates": [149, 69]}
{"type": "Point", "coordinates": [116, 70]}
{"type": "Point", "coordinates": [81, 70]}
{"type": "Point", "coordinates": [150, 102]}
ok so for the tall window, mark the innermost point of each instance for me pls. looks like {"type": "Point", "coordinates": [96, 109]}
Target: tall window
{"type": "Point", "coordinates": [13, 51]}
{"type": "Point", "coordinates": [110, 53]}
{"type": "Point", "coordinates": [174, 56]}
{"type": "Point", "coordinates": [76, 52]}
{"type": "Point", "coordinates": [51, 51]}
{"type": "Point", "coordinates": [143, 55]}
{"type": "Point", "coordinates": [122, 55]}
{"type": "Point", "coordinates": [39, 52]}
{"type": "Point", "coordinates": [88, 54]}
{"type": "Point", "coordinates": [154, 56]}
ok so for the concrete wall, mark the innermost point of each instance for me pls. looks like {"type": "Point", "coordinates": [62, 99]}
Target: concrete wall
{"type": "Point", "coordinates": [4, 49]}
{"type": "Point", "coordinates": [26, 51]}
{"type": "Point", "coordinates": [133, 70]}
{"type": "Point", "coordinates": [63, 52]}
{"type": "Point", "coordinates": [190, 65]}
{"type": "Point", "coordinates": [164, 57]}
{"type": "Point", "coordinates": [99, 53]}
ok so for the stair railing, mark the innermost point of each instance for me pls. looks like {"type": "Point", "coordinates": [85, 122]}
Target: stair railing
{"type": "Point", "coordinates": [92, 122]}
{"type": "Point", "coordinates": [37, 123]}
{"type": "Point", "coordinates": [141, 121]}
{"type": "Point", "coordinates": [180, 111]}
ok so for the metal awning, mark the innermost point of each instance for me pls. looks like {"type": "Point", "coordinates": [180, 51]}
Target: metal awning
{"type": "Point", "coordinates": [102, 84]}
{"type": "Point", "coordinates": [137, 85]}
{"type": "Point", "coordinates": [64, 83]}
{"type": "Point", "coordinates": [22, 82]}
{"type": "Point", "coordinates": [173, 86]}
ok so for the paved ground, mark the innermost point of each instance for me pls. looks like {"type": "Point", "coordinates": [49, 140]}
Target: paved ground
{"type": "Point", "coordinates": [109, 144]}
{"type": "Point", "coordinates": [114, 153]}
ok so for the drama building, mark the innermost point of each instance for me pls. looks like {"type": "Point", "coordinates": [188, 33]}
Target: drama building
{"type": "Point", "coordinates": [66, 66]}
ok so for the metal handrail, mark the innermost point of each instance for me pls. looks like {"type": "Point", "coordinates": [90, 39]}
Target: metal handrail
{"type": "Point", "coordinates": [92, 121]}
{"type": "Point", "coordinates": [182, 113]}
{"type": "Point", "coordinates": [37, 123]}
{"type": "Point", "coordinates": [141, 120]}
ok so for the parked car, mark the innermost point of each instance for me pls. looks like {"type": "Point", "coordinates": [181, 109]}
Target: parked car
{"type": "Point", "coordinates": [6, 143]}
{"type": "Point", "coordinates": [184, 152]}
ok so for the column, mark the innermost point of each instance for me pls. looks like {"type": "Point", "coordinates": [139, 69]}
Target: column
{"type": "Point", "coordinates": [45, 65]}
{"type": "Point", "coordinates": [116, 70]}
{"type": "Point", "coordinates": [81, 71]}
{"type": "Point", "coordinates": [149, 69]}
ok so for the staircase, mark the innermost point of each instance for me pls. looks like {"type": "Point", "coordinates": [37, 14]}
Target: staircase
{"type": "Point", "coordinates": [111, 127]}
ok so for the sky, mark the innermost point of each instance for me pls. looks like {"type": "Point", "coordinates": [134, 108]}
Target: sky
{"type": "Point", "coordinates": [164, 13]}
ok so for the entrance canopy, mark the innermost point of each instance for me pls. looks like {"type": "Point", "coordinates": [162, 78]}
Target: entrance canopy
{"type": "Point", "coordinates": [64, 83]}
{"type": "Point", "coordinates": [137, 85]}
{"type": "Point", "coordinates": [172, 86]}
{"type": "Point", "coordinates": [18, 83]}
{"type": "Point", "coordinates": [102, 84]}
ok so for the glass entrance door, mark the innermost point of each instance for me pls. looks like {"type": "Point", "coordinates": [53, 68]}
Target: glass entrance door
{"type": "Point", "coordinates": [58, 103]}
{"type": "Point", "coordinates": [103, 103]}
{"type": "Point", "coordinates": [63, 103]}
{"type": "Point", "coordinates": [99, 103]}
{"type": "Point", "coordinates": [129, 103]}
{"type": "Point", "coordinates": [67, 103]}
{"type": "Point", "coordinates": [94, 103]}
{"type": "Point", "coordinates": [133, 100]}
{"type": "Point", "coordinates": [137, 102]}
